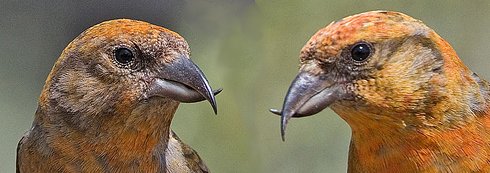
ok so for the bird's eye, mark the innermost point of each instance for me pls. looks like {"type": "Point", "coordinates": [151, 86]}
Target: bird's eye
{"type": "Point", "coordinates": [360, 51]}
{"type": "Point", "coordinates": [123, 56]}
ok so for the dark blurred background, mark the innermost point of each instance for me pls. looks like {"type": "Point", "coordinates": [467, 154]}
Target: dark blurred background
{"type": "Point", "coordinates": [247, 47]}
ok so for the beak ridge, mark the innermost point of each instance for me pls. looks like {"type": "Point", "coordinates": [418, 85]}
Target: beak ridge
{"type": "Point", "coordinates": [182, 80]}
{"type": "Point", "coordinates": [307, 95]}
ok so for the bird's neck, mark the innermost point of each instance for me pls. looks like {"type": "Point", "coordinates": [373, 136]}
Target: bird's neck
{"type": "Point", "coordinates": [142, 135]}
{"type": "Point", "coordinates": [384, 144]}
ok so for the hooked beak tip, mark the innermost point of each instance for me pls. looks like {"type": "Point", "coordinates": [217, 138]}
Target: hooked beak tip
{"type": "Point", "coordinates": [283, 133]}
{"type": "Point", "coordinates": [215, 107]}
{"type": "Point", "coordinates": [275, 111]}
{"type": "Point", "coordinates": [284, 123]}
{"type": "Point", "coordinates": [212, 100]}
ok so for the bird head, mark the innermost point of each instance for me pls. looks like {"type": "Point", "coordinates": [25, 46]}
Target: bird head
{"type": "Point", "coordinates": [377, 65]}
{"type": "Point", "coordinates": [119, 66]}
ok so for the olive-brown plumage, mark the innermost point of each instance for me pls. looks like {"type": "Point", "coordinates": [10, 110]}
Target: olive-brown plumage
{"type": "Point", "coordinates": [411, 103]}
{"type": "Point", "coordinates": [109, 100]}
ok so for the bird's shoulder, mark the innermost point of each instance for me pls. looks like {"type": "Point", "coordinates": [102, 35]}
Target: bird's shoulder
{"type": "Point", "coordinates": [480, 103]}
{"type": "Point", "coordinates": [18, 153]}
{"type": "Point", "coordinates": [181, 157]}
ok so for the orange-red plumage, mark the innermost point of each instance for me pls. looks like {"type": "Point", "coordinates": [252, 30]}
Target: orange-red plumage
{"type": "Point", "coordinates": [412, 105]}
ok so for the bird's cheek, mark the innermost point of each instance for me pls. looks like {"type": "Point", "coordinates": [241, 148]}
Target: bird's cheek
{"type": "Point", "coordinates": [126, 102]}
{"type": "Point", "coordinates": [368, 92]}
{"type": "Point", "coordinates": [384, 94]}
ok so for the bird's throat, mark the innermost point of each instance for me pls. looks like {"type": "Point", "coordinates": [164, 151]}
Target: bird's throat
{"type": "Point", "coordinates": [383, 144]}
{"type": "Point", "coordinates": [118, 140]}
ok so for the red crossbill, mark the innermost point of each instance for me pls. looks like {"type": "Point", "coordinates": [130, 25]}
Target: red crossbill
{"type": "Point", "coordinates": [109, 100]}
{"type": "Point", "coordinates": [412, 105]}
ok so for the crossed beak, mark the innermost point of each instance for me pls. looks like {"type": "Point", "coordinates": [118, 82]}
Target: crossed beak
{"type": "Point", "coordinates": [308, 94]}
{"type": "Point", "coordinates": [183, 81]}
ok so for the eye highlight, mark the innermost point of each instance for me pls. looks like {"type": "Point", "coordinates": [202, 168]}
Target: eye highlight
{"type": "Point", "coordinates": [123, 56]}
{"type": "Point", "coordinates": [361, 51]}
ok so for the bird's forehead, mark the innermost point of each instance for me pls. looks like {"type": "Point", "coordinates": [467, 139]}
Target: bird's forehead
{"type": "Point", "coordinates": [372, 26]}
{"type": "Point", "coordinates": [146, 36]}
{"type": "Point", "coordinates": [129, 28]}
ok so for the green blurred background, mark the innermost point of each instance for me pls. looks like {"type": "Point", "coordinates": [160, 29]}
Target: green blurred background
{"type": "Point", "coordinates": [247, 47]}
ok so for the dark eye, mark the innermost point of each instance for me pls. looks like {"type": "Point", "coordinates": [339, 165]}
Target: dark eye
{"type": "Point", "coordinates": [360, 51]}
{"type": "Point", "coordinates": [123, 55]}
